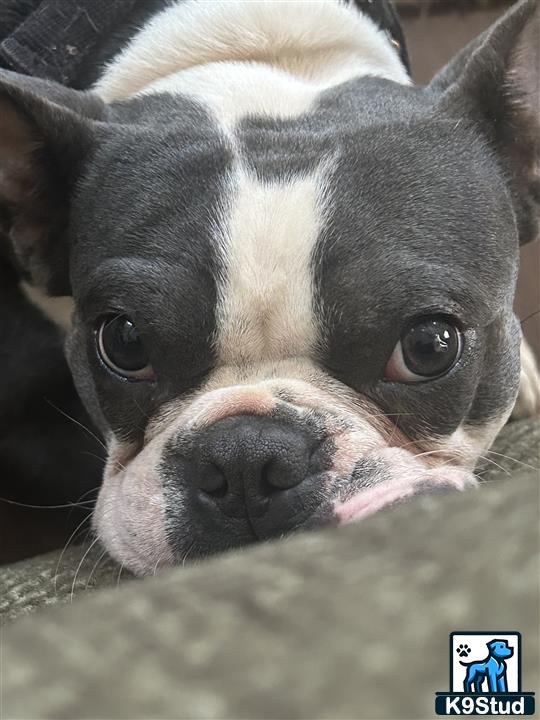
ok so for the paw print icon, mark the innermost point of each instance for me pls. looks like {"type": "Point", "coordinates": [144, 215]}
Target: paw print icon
{"type": "Point", "coordinates": [463, 650]}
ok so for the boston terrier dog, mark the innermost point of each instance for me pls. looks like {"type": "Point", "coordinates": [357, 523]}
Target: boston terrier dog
{"type": "Point", "coordinates": [286, 274]}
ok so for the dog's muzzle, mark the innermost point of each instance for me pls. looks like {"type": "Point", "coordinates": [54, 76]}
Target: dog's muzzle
{"type": "Point", "coordinates": [243, 463]}
{"type": "Point", "coordinates": [259, 474]}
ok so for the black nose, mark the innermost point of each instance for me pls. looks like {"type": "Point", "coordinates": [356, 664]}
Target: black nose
{"type": "Point", "coordinates": [251, 455]}
{"type": "Point", "coordinates": [245, 478]}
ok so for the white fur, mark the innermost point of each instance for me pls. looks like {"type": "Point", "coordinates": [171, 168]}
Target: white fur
{"type": "Point", "coordinates": [257, 56]}
{"type": "Point", "coordinates": [130, 514]}
{"type": "Point", "coordinates": [265, 300]}
{"type": "Point", "coordinates": [232, 90]}
{"type": "Point", "coordinates": [468, 442]}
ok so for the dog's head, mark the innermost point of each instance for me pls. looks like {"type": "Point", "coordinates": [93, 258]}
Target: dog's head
{"type": "Point", "coordinates": [499, 649]}
{"type": "Point", "coordinates": [294, 322]}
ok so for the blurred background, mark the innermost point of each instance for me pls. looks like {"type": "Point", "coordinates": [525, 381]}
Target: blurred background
{"type": "Point", "coordinates": [435, 30]}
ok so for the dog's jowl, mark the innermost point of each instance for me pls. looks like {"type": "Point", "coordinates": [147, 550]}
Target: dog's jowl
{"type": "Point", "coordinates": [292, 270]}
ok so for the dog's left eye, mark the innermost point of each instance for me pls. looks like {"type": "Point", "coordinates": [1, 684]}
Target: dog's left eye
{"type": "Point", "coordinates": [121, 348]}
{"type": "Point", "coordinates": [427, 349]}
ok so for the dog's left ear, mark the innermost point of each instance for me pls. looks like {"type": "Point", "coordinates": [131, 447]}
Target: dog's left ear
{"type": "Point", "coordinates": [46, 133]}
{"type": "Point", "coordinates": [495, 82]}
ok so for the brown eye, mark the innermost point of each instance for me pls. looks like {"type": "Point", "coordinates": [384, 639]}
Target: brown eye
{"type": "Point", "coordinates": [121, 348]}
{"type": "Point", "coordinates": [427, 349]}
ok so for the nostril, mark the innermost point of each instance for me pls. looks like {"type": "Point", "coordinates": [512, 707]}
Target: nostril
{"type": "Point", "coordinates": [276, 476]}
{"type": "Point", "coordinates": [267, 485]}
{"type": "Point", "coordinates": [212, 481]}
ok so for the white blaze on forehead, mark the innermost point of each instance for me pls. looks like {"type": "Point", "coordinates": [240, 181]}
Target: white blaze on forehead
{"type": "Point", "coordinates": [317, 43]}
{"type": "Point", "coordinates": [265, 296]}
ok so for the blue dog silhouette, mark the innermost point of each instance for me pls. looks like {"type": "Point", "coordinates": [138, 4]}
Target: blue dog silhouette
{"type": "Point", "coordinates": [493, 668]}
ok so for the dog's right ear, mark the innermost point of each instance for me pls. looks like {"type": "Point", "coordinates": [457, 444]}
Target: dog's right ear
{"type": "Point", "coordinates": [46, 133]}
{"type": "Point", "coordinates": [495, 84]}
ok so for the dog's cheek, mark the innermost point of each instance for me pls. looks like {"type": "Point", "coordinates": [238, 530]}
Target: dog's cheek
{"type": "Point", "coordinates": [469, 443]}
{"type": "Point", "coordinates": [75, 352]}
{"type": "Point", "coordinates": [130, 515]}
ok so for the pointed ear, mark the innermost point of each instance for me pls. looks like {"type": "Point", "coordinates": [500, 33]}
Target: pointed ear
{"type": "Point", "coordinates": [495, 82]}
{"type": "Point", "coordinates": [46, 132]}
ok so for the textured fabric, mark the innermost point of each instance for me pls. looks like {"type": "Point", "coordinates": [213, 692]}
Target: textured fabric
{"type": "Point", "coordinates": [343, 623]}
{"type": "Point", "coordinates": [59, 35]}
{"type": "Point", "coordinates": [54, 578]}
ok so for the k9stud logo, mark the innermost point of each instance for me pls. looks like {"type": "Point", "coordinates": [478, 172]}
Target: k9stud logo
{"type": "Point", "coordinates": [485, 676]}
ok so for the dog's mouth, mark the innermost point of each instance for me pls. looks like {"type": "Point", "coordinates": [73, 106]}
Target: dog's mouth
{"type": "Point", "coordinates": [216, 480]}
{"type": "Point", "coordinates": [399, 475]}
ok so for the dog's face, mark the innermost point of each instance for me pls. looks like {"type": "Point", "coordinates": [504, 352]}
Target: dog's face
{"type": "Point", "coordinates": [291, 324]}
{"type": "Point", "coordinates": [277, 340]}
{"type": "Point", "coordinates": [500, 650]}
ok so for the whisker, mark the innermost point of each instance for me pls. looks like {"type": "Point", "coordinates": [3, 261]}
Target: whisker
{"type": "Point", "coordinates": [158, 561]}
{"type": "Point", "coordinates": [69, 540]}
{"type": "Point", "coordinates": [408, 444]}
{"type": "Point", "coordinates": [508, 457]}
{"type": "Point", "coordinates": [29, 506]}
{"type": "Point", "coordinates": [186, 554]}
{"type": "Point", "coordinates": [94, 455]}
{"type": "Point", "coordinates": [79, 424]}
{"type": "Point", "coordinates": [118, 464]}
{"type": "Point", "coordinates": [96, 564]}
{"type": "Point", "coordinates": [119, 575]}
{"type": "Point", "coordinates": [145, 415]}
{"type": "Point", "coordinates": [90, 502]}
{"type": "Point", "coordinates": [480, 457]}
{"type": "Point", "coordinates": [395, 429]}
{"type": "Point", "coordinates": [79, 566]}
{"type": "Point", "coordinates": [528, 317]}
{"type": "Point", "coordinates": [430, 452]}
{"type": "Point", "coordinates": [385, 415]}
{"type": "Point", "coordinates": [483, 457]}
{"type": "Point", "coordinates": [94, 489]}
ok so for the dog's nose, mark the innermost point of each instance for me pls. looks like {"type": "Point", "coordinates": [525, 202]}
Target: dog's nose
{"type": "Point", "coordinates": [246, 477]}
{"type": "Point", "coordinates": [251, 455]}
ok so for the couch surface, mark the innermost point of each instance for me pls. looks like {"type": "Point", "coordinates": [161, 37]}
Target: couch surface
{"type": "Point", "coordinates": [348, 623]}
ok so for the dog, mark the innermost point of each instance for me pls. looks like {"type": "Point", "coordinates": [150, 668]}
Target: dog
{"type": "Point", "coordinates": [284, 272]}
{"type": "Point", "coordinates": [493, 668]}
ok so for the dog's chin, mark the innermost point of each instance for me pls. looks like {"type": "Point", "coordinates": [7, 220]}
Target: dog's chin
{"type": "Point", "coordinates": [134, 522]}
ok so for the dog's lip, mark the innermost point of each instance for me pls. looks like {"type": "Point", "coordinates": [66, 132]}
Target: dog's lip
{"type": "Point", "coordinates": [400, 484]}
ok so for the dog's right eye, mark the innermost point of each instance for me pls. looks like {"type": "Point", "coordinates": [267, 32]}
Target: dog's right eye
{"type": "Point", "coordinates": [428, 349]}
{"type": "Point", "coordinates": [121, 348]}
